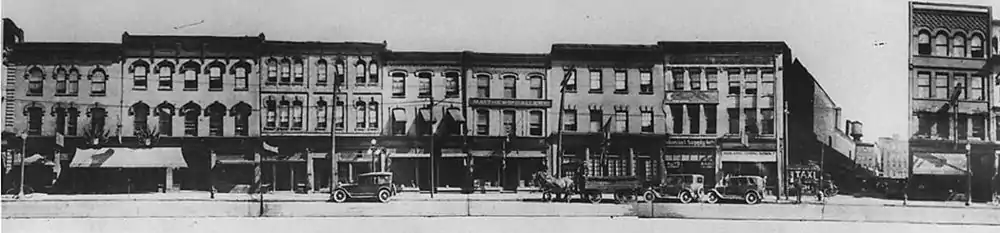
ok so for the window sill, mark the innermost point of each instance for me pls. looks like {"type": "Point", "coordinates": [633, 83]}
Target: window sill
{"type": "Point", "coordinates": [298, 84]}
{"type": "Point", "coordinates": [398, 96]}
{"type": "Point", "coordinates": [570, 91]}
{"type": "Point", "coordinates": [321, 83]}
{"type": "Point", "coordinates": [424, 96]}
{"type": "Point", "coordinates": [190, 89]}
{"type": "Point", "coordinates": [215, 89]}
{"type": "Point", "coordinates": [164, 89]}
{"type": "Point", "coordinates": [241, 89]}
{"type": "Point", "coordinates": [65, 95]}
{"type": "Point", "coordinates": [98, 94]}
{"type": "Point", "coordinates": [939, 56]}
{"type": "Point", "coordinates": [596, 92]}
{"type": "Point", "coordinates": [373, 85]}
{"type": "Point", "coordinates": [270, 84]}
{"type": "Point", "coordinates": [621, 92]}
{"type": "Point", "coordinates": [139, 88]}
{"type": "Point", "coordinates": [33, 94]}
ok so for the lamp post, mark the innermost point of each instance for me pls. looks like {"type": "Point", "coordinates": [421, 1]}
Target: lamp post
{"type": "Point", "coordinates": [968, 174]}
{"type": "Point", "coordinates": [24, 151]}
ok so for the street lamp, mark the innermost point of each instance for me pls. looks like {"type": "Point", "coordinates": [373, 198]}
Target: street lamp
{"type": "Point", "coordinates": [968, 173]}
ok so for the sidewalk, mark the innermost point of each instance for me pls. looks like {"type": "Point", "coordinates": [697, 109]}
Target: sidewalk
{"type": "Point", "coordinates": [843, 200]}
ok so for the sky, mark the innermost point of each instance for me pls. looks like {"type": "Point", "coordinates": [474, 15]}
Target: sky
{"type": "Point", "coordinates": [834, 39]}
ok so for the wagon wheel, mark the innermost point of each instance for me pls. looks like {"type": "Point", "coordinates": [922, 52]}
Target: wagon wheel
{"type": "Point", "coordinates": [548, 196]}
{"type": "Point", "coordinates": [593, 197]}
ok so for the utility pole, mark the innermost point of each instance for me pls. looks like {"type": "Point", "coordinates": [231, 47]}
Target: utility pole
{"type": "Point", "coordinates": [560, 152]}
{"type": "Point", "coordinates": [822, 168]}
{"type": "Point", "coordinates": [968, 172]}
{"type": "Point", "coordinates": [24, 152]}
{"type": "Point", "coordinates": [334, 159]}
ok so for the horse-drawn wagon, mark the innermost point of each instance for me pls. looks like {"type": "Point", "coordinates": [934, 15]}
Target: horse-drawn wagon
{"type": "Point", "coordinates": [590, 188]}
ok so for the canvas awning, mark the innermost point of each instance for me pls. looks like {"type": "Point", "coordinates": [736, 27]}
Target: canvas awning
{"type": "Point", "coordinates": [35, 159]}
{"type": "Point", "coordinates": [166, 157]}
{"type": "Point", "coordinates": [526, 154]}
{"type": "Point", "coordinates": [400, 115]}
{"type": "Point", "coordinates": [456, 115]}
{"type": "Point", "coordinates": [233, 159]}
{"type": "Point", "coordinates": [426, 115]}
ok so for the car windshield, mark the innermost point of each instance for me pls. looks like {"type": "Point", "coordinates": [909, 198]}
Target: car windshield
{"type": "Point", "coordinates": [672, 180]}
{"type": "Point", "coordinates": [688, 179]}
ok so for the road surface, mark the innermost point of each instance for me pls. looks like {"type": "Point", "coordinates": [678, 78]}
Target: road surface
{"type": "Point", "coordinates": [460, 224]}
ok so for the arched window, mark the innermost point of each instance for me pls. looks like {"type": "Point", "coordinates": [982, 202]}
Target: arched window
{"type": "Point", "coordinates": [424, 90]}
{"type": "Point", "coordinates": [34, 114]}
{"type": "Point", "coordinates": [72, 114]}
{"type": "Point", "coordinates": [321, 72]}
{"type": "Point", "coordinates": [451, 84]}
{"type": "Point", "coordinates": [286, 71]}
{"type": "Point", "coordinates": [165, 71]}
{"type": "Point", "coordinates": [976, 46]}
{"type": "Point", "coordinates": [340, 74]}
{"type": "Point", "coordinates": [60, 114]}
{"type": "Point", "coordinates": [398, 84]}
{"type": "Point", "coordinates": [165, 113]}
{"type": "Point", "coordinates": [360, 119]}
{"type": "Point", "coordinates": [321, 115]}
{"type": "Point", "coordinates": [941, 45]}
{"type": "Point", "coordinates": [271, 120]}
{"type": "Point", "coordinates": [73, 82]}
{"type": "Point", "coordinates": [535, 123]}
{"type": "Point", "coordinates": [360, 73]}
{"type": "Point", "coordinates": [483, 85]}
{"type": "Point", "coordinates": [97, 118]}
{"type": "Point", "coordinates": [298, 72]}
{"type": "Point", "coordinates": [272, 71]}
{"type": "Point", "coordinates": [215, 113]}
{"type": "Point", "coordinates": [339, 114]}
{"type": "Point", "coordinates": [373, 115]}
{"type": "Point", "coordinates": [509, 86]}
{"type": "Point", "coordinates": [297, 112]}
{"type": "Point", "coordinates": [191, 70]}
{"type": "Point", "coordinates": [241, 112]}
{"type": "Point", "coordinates": [191, 112]}
{"type": "Point", "coordinates": [35, 78]}
{"type": "Point", "coordinates": [536, 86]}
{"type": "Point", "coordinates": [924, 43]}
{"type": "Point", "coordinates": [373, 73]}
{"type": "Point", "coordinates": [215, 75]}
{"type": "Point", "coordinates": [139, 71]}
{"type": "Point", "coordinates": [140, 116]}
{"type": "Point", "coordinates": [240, 71]}
{"type": "Point", "coordinates": [958, 45]}
{"type": "Point", "coordinates": [60, 77]}
{"type": "Point", "coordinates": [98, 82]}
{"type": "Point", "coordinates": [284, 108]}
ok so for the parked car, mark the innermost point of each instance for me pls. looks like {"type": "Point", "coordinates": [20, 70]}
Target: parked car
{"type": "Point", "coordinates": [683, 187]}
{"type": "Point", "coordinates": [750, 189]}
{"type": "Point", "coordinates": [376, 185]}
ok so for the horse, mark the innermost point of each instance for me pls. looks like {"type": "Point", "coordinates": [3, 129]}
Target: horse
{"type": "Point", "coordinates": [554, 188]}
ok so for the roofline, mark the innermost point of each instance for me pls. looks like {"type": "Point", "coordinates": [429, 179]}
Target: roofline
{"type": "Point", "coordinates": [950, 7]}
{"type": "Point", "coordinates": [818, 85]}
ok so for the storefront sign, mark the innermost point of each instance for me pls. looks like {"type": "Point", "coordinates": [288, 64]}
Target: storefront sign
{"type": "Point", "coordinates": [687, 157]}
{"type": "Point", "coordinates": [684, 97]}
{"type": "Point", "coordinates": [749, 156]}
{"type": "Point", "coordinates": [939, 164]}
{"type": "Point", "coordinates": [516, 103]}
{"type": "Point", "coordinates": [691, 142]}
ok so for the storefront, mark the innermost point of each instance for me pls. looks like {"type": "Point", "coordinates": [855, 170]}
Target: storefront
{"type": "Point", "coordinates": [126, 170]}
{"type": "Point", "coordinates": [412, 170]}
{"type": "Point", "coordinates": [691, 156]}
{"type": "Point", "coordinates": [751, 163]}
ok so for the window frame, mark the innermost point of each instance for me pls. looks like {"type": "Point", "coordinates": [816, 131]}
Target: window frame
{"type": "Point", "coordinates": [483, 85]}
{"type": "Point", "coordinates": [694, 75]}
{"type": "Point", "coordinates": [452, 86]}
{"type": "Point", "coordinates": [398, 84]}
{"type": "Point", "coordinates": [647, 124]}
{"type": "Point", "coordinates": [165, 80]}
{"type": "Point", "coordinates": [322, 72]}
{"type": "Point", "coordinates": [425, 87]}
{"type": "Point", "coordinates": [535, 86]}
{"type": "Point", "coordinates": [924, 46]}
{"type": "Point", "coordinates": [536, 128]}
{"type": "Point", "coordinates": [571, 84]}
{"type": "Point", "coordinates": [941, 45]}
{"type": "Point", "coordinates": [509, 123]}
{"type": "Point", "coordinates": [215, 82]}
{"type": "Point", "coordinates": [596, 81]}
{"type": "Point", "coordinates": [36, 82]}
{"type": "Point", "coordinates": [621, 82]}
{"type": "Point", "coordinates": [645, 82]}
{"type": "Point", "coordinates": [482, 121]}
{"type": "Point", "coordinates": [958, 48]}
{"type": "Point", "coordinates": [98, 82]}
{"type": "Point", "coordinates": [509, 86]}
{"type": "Point", "coordinates": [322, 115]}
{"type": "Point", "coordinates": [570, 120]}
{"type": "Point", "coordinates": [140, 78]}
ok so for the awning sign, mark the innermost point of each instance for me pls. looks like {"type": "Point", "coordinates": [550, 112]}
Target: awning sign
{"type": "Point", "coordinates": [749, 156]}
{"type": "Point", "coordinates": [939, 164]}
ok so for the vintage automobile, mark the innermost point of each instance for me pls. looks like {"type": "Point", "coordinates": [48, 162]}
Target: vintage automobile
{"type": "Point", "coordinates": [376, 185]}
{"type": "Point", "coordinates": [749, 189]}
{"type": "Point", "coordinates": [683, 187]}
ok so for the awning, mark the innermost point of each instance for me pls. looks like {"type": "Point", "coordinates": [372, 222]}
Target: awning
{"type": "Point", "coordinates": [426, 115]}
{"type": "Point", "coordinates": [526, 154]}
{"type": "Point", "coordinates": [456, 114]}
{"type": "Point", "coordinates": [400, 115]}
{"type": "Point", "coordinates": [232, 159]}
{"type": "Point", "coordinates": [482, 153]}
{"type": "Point", "coordinates": [426, 155]}
{"type": "Point", "coordinates": [166, 157]}
{"type": "Point", "coordinates": [36, 159]}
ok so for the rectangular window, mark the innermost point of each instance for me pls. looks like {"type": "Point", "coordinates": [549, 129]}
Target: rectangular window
{"type": "Point", "coordinates": [645, 82]}
{"type": "Point", "coordinates": [451, 84]}
{"type": "Point", "coordinates": [535, 86]}
{"type": "Point", "coordinates": [215, 124]}
{"type": "Point", "coordinates": [569, 120]}
{"type": "Point", "coordinates": [190, 79]}
{"type": "Point", "coordinates": [923, 85]}
{"type": "Point", "coordinates": [734, 81]}
{"type": "Point", "coordinates": [963, 126]}
{"type": "Point", "coordinates": [710, 119]}
{"type": "Point", "coordinates": [215, 79]}
{"type": "Point", "coordinates": [284, 115]}
{"type": "Point", "coordinates": [398, 84]}
{"type": "Point", "coordinates": [678, 75]}
{"type": "Point", "coordinates": [321, 116]}
{"type": "Point", "coordinates": [962, 86]}
{"type": "Point", "coordinates": [734, 120]}
{"type": "Point", "coordinates": [979, 127]}
{"type": "Point", "coordinates": [941, 86]}
{"type": "Point", "coordinates": [509, 87]}
{"type": "Point", "coordinates": [509, 125]}
{"type": "Point", "coordinates": [694, 75]}
{"type": "Point", "coordinates": [571, 82]}
{"type": "Point", "coordinates": [535, 123]}
{"type": "Point", "coordinates": [751, 121]}
{"type": "Point", "coordinates": [767, 82]}
{"type": "Point", "coordinates": [340, 115]}
{"type": "Point", "coordinates": [482, 122]}
{"type": "Point", "coordinates": [976, 88]}
{"type": "Point", "coordinates": [647, 121]}
{"type": "Point", "coordinates": [98, 83]}
{"type": "Point", "coordinates": [483, 85]}
{"type": "Point", "coordinates": [677, 113]}
{"type": "Point", "coordinates": [694, 118]}
{"type": "Point", "coordinates": [750, 84]}
{"type": "Point", "coordinates": [621, 81]}
{"type": "Point", "coordinates": [621, 121]}
{"type": "Point", "coordinates": [595, 81]}
{"type": "Point", "coordinates": [359, 115]}
{"type": "Point", "coordinates": [241, 79]}
{"type": "Point", "coordinates": [298, 73]}
{"type": "Point", "coordinates": [943, 123]}
{"type": "Point", "coordinates": [139, 78]}
{"type": "Point", "coordinates": [425, 84]}
{"type": "Point", "coordinates": [767, 121]}
{"type": "Point", "coordinates": [166, 78]}
{"type": "Point", "coordinates": [596, 120]}
{"type": "Point", "coordinates": [373, 116]}
{"type": "Point", "coordinates": [297, 115]}
{"type": "Point", "coordinates": [712, 79]}
{"type": "Point", "coordinates": [35, 121]}
{"type": "Point", "coordinates": [399, 121]}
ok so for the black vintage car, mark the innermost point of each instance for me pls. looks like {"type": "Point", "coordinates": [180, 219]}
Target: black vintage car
{"type": "Point", "coordinates": [683, 187]}
{"type": "Point", "coordinates": [376, 185]}
{"type": "Point", "coordinates": [750, 189]}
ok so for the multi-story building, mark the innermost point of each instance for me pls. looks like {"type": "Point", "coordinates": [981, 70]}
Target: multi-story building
{"type": "Point", "coordinates": [509, 107]}
{"type": "Point", "coordinates": [308, 89]}
{"type": "Point", "coordinates": [869, 157]}
{"type": "Point", "coordinates": [612, 110]}
{"type": "Point", "coordinates": [948, 98]}
{"type": "Point", "coordinates": [895, 157]}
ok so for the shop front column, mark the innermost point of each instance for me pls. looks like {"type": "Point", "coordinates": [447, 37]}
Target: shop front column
{"type": "Point", "coordinates": [631, 161]}
{"type": "Point", "coordinates": [586, 161]}
{"type": "Point", "coordinates": [168, 186]}
{"type": "Point", "coordinates": [310, 179]}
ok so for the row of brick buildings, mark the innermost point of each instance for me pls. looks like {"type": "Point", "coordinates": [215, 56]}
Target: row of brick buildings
{"type": "Point", "coordinates": [191, 112]}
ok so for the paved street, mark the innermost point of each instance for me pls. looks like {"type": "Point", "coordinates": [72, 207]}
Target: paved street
{"type": "Point", "coordinates": [495, 224]}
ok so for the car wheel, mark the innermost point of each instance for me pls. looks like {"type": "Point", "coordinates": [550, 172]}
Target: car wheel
{"type": "Point", "coordinates": [752, 198]}
{"type": "Point", "coordinates": [548, 196]}
{"type": "Point", "coordinates": [384, 195]}
{"type": "Point", "coordinates": [713, 198]}
{"type": "Point", "coordinates": [339, 196]}
{"type": "Point", "coordinates": [686, 197]}
{"type": "Point", "coordinates": [649, 196]}
{"type": "Point", "coordinates": [594, 198]}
